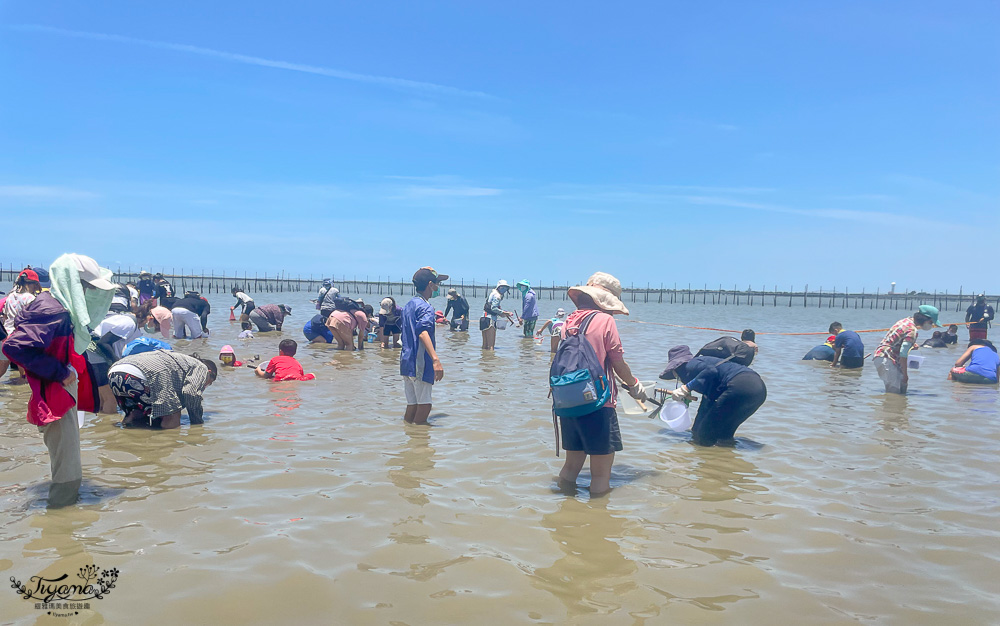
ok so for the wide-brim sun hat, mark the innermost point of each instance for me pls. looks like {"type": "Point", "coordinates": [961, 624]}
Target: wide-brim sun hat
{"type": "Point", "coordinates": [604, 289]}
{"type": "Point", "coordinates": [560, 312]}
{"type": "Point", "coordinates": [502, 283]}
{"type": "Point", "coordinates": [90, 272]}
{"type": "Point", "coordinates": [677, 356]}
{"type": "Point", "coordinates": [453, 294]}
{"type": "Point", "coordinates": [385, 306]}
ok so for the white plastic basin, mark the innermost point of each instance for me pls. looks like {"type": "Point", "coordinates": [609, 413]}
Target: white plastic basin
{"type": "Point", "coordinates": [676, 415]}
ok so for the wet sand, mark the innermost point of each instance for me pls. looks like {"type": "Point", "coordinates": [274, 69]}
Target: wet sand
{"type": "Point", "coordinates": [311, 502]}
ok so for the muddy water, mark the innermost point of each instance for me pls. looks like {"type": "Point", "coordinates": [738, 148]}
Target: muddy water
{"type": "Point", "coordinates": [313, 503]}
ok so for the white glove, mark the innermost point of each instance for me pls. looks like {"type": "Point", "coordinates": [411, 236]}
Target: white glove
{"type": "Point", "coordinates": [680, 394]}
{"type": "Point", "coordinates": [637, 392]}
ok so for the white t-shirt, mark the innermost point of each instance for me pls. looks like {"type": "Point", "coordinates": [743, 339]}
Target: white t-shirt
{"type": "Point", "coordinates": [122, 326]}
{"type": "Point", "coordinates": [15, 302]}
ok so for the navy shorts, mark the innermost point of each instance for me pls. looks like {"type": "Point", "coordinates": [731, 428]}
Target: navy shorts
{"type": "Point", "coordinates": [594, 433]}
{"type": "Point", "coordinates": [852, 362]}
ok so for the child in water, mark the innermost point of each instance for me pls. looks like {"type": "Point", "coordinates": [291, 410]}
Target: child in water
{"type": "Point", "coordinates": [555, 327]}
{"type": "Point", "coordinates": [247, 332]}
{"type": "Point", "coordinates": [284, 366]}
{"type": "Point", "coordinates": [951, 337]}
{"type": "Point", "coordinates": [228, 357]}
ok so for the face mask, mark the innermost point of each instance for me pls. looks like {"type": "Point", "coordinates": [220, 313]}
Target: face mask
{"type": "Point", "coordinates": [927, 326]}
{"type": "Point", "coordinates": [435, 293]}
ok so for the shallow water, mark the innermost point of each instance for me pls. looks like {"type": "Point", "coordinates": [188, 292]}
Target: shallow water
{"type": "Point", "coordinates": [311, 502]}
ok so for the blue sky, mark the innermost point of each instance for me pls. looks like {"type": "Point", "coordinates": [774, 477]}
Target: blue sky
{"type": "Point", "coordinates": [849, 144]}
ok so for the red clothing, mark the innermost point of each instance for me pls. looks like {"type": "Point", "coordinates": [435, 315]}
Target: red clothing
{"type": "Point", "coordinates": [287, 368]}
{"type": "Point", "coordinates": [42, 344]}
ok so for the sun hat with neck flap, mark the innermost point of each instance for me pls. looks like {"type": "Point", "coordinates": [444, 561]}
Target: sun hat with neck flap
{"type": "Point", "coordinates": [604, 289]}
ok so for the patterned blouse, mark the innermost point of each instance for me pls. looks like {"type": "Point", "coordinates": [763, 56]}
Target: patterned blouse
{"type": "Point", "coordinates": [902, 331]}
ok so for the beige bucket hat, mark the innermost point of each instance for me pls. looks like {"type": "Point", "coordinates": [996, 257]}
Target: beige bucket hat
{"type": "Point", "coordinates": [604, 289]}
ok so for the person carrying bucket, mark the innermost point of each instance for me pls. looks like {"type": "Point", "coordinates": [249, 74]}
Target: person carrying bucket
{"type": "Point", "coordinates": [493, 315]}
{"type": "Point", "coordinates": [458, 306]}
{"type": "Point", "coordinates": [890, 357]}
{"type": "Point", "coordinates": [596, 434]}
{"type": "Point", "coordinates": [731, 393]}
{"type": "Point", "coordinates": [529, 307]}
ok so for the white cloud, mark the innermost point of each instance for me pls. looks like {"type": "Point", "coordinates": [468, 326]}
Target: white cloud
{"type": "Point", "coordinates": [388, 81]}
{"type": "Point", "coordinates": [450, 192]}
{"type": "Point", "coordinates": [41, 193]}
{"type": "Point", "coordinates": [870, 217]}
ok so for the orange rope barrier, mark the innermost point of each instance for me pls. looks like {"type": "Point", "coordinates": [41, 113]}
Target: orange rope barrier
{"type": "Point", "coordinates": [729, 330]}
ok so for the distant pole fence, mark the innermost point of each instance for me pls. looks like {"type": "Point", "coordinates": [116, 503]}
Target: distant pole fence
{"type": "Point", "coordinates": [282, 281]}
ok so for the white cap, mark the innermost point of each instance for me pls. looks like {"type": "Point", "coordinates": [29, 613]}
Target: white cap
{"type": "Point", "coordinates": [90, 272]}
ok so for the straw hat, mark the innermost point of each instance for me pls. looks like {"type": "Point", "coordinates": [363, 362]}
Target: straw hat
{"type": "Point", "coordinates": [604, 289]}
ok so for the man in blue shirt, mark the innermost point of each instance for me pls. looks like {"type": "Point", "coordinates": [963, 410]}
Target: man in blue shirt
{"type": "Point", "coordinates": [848, 351]}
{"type": "Point", "coordinates": [418, 361]}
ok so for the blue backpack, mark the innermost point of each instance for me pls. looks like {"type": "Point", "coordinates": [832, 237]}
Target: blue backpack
{"type": "Point", "coordinates": [577, 379]}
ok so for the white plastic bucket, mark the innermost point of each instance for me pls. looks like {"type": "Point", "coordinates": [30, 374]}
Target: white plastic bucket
{"type": "Point", "coordinates": [676, 415]}
{"type": "Point", "coordinates": [630, 406]}
{"type": "Point", "coordinates": [501, 323]}
{"type": "Point", "coordinates": [913, 362]}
